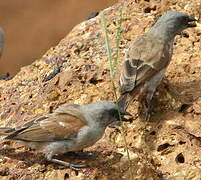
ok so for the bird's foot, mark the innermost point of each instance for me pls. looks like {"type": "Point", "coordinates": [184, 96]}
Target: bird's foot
{"type": "Point", "coordinates": [147, 116]}
{"type": "Point", "coordinates": [147, 111]}
{"type": "Point", "coordinates": [64, 164]}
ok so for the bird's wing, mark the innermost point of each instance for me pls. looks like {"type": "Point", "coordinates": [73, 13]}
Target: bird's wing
{"type": "Point", "coordinates": [66, 120]}
{"type": "Point", "coordinates": [147, 56]}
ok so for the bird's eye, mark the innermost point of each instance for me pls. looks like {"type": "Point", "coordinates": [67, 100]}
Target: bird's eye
{"type": "Point", "coordinates": [114, 113]}
{"type": "Point", "coordinates": [185, 19]}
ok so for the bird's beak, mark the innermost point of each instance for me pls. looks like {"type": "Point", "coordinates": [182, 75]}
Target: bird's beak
{"type": "Point", "coordinates": [191, 19]}
{"type": "Point", "coordinates": [125, 113]}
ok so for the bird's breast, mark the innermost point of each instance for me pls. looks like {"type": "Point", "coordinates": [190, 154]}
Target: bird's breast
{"type": "Point", "coordinates": [170, 44]}
{"type": "Point", "coordinates": [87, 136]}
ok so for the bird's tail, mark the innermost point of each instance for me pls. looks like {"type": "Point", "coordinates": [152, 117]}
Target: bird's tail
{"type": "Point", "coordinates": [124, 101]}
{"type": "Point", "coordinates": [5, 131]}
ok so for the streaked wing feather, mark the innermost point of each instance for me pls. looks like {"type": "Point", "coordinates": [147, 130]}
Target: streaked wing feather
{"type": "Point", "coordinates": [146, 57]}
{"type": "Point", "coordinates": [55, 127]}
{"type": "Point", "coordinates": [62, 124]}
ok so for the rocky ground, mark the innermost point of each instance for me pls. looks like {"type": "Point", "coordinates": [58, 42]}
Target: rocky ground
{"type": "Point", "coordinates": [76, 71]}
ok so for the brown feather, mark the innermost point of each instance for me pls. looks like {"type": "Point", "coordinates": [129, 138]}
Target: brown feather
{"type": "Point", "coordinates": [146, 57]}
{"type": "Point", "coordinates": [53, 127]}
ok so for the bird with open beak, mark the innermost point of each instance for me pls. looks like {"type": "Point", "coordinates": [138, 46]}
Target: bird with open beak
{"type": "Point", "coordinates": [148, 58]}
{"type": "Point", "coordinates": [70, 128]}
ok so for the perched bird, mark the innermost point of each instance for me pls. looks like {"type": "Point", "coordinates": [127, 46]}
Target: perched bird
{"type": "Point", "coordinates": [71, 127]}
{"type": "Point", "coordinates": [148, 57]}
{"type": "Point", "coordinates": [2, 38]}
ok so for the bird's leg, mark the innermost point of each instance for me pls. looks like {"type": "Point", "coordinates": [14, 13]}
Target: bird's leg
{"type": "Point", "coordinates": [147, 112]}
{"type": "Point", "coordinates": [75, 167]}
{"type": "Point", "coordinates": [145, 100]}
{"type": "Point", "coordinates": [148, 100]}
{"type": "Point", "coordinates": [67, 164]}
{"type": "Point", "coordinates": [146, 109]}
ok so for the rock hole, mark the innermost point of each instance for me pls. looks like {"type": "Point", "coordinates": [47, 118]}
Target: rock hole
{"type": "Point", "coordinates": [163, 147]}
{"type": "Point", "coordinates": [182, 142]}
{"type": "Point", "coordinates": [153, 133]}
{"type": "Point", "coordinates": [147, 10]}
{"type": "Point", "coordinates": [95, 81]}
{"type": "Point", "coordinates": [68, 55]}
{"type": "Point", "coordinates": [66, 176]}
{"type": "Point", "coordinates": [77, 51]}
{"type": "Point", "coordinates": [76, 173]}
{"type": "Point", "coordinates": [183, 107]}
{"type": "Point", "coordinates": [185, 34]}
{"type": "Point", "coordinates": [51, 109]}
{"type": "Point", "coordinates": [180, 158]}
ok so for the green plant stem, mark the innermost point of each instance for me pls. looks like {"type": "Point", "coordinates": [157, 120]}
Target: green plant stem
{"type": "Point", "coordinates": [109, 51]}
{"type": "Point", "coordinates": [118, 36]}
{"type": "Point", "coordinates": [112, 65]}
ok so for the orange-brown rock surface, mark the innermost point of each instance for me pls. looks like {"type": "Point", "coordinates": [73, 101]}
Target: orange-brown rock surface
{"type": "Point", "coordinates": [76, 71]}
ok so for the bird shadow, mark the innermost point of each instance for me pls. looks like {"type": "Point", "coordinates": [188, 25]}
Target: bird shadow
{"type": "Point", "coordinates": [182, 96]}
{"type": "Point", "coordinates": [103, 161]}
{"type": "Point", "coordinates": [185, 92]}
{"type": "Point", "coordinates": [171, 97]}
{"type": "Point", "coordinates": [31, 157]}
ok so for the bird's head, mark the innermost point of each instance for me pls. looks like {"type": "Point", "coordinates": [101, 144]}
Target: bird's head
{"type": "Point", "coordinates": [174, 22]}
{"type": "Point", "coordinates": [105, 112]}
